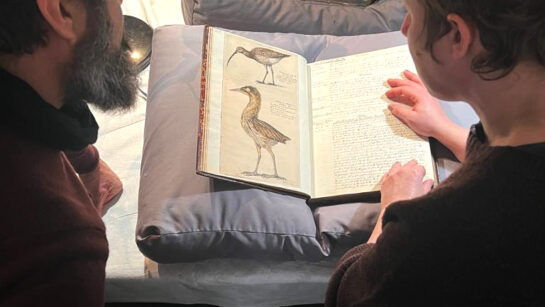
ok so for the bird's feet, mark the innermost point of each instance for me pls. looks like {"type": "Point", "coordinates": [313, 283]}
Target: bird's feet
{"type": "Point", "coordinates": [263, 175]}
{"type": "Point", "coordinates": [250, 174]}
{"type": "Point", "coordinates": [267, 83]}
{"type": "Point", "coordinates": [273, 176]}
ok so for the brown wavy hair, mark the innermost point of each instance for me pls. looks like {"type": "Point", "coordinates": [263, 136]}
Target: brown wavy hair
{"type": "Point", "coordinates": [510, 31]}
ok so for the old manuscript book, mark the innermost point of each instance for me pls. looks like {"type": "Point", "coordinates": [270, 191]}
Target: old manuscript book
{"type": "Point", "coordinates": [321, 130]}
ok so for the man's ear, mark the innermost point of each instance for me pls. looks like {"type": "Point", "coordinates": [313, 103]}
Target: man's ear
{"type": "Point", "coordinates": [63, 17]}
{"type": "Point", "coordinates": [461, 36]}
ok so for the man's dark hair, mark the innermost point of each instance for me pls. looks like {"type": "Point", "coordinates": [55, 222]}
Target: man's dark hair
{"type": "Point", "coordinates": [22, 26]}
{"type": "Point", "coordinates": [509, 30]}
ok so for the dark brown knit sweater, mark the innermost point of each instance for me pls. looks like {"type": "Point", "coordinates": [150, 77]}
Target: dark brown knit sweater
{"type": "Point", "coordinates": [478, 239]}
{"type": "Point", "coordinates": [53, 246]}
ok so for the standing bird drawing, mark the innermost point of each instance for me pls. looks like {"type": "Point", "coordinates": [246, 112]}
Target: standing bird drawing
{"type": "Point", "coordinates": [263, 134]}
{"type": "Point", "coordinates": [263, 56]}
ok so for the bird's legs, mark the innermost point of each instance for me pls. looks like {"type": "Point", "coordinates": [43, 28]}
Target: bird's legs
{"type": "Point", "coordinates": [267, 66]}
{"type": "Point", "coordinates": [254, 173]}
{"type": "Point", "coordinates": [274, 162]}
{"type": "Point", "coordinates": [272, 72]}
{"type": "Point", "coordinates": [258, 158]}
{"type": "Point", "coordinates": [266, 73]}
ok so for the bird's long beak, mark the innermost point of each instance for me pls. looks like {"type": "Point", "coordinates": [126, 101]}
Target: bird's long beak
{"type": "Point", "coordinates": [232, 55]}
{"type": "Point", "coordinates": [236, 90]}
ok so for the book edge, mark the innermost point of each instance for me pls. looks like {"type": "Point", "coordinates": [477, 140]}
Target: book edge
{"type": "Point", "coordinates": [264, 187]}
{"type": "Point", "coordinates": [201, 134]}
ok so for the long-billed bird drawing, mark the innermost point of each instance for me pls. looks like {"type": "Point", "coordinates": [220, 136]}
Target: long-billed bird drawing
{"type": "Point", "coordinates": [263, 134]}
{"type": "Point", "coordinates": [263, 56]}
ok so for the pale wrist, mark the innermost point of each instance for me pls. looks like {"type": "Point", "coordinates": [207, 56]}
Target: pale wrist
{"type": "Point", "coordinates": [444, 128]}
{"type": "Point", "coordinates": [377, 230]}
{"type": "Point", "coordinates": [454, 138]}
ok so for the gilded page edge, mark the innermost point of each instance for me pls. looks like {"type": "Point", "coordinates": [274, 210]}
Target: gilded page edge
{"type": "Point", "coordinates": [203, 108]}
{"type": "Point", "coordinates": [214, 100]}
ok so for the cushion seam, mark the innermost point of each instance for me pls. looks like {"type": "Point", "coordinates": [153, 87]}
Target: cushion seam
{"type": "Point", "coordinates": [243, 231]}
{"type": "Point", "coordinates": [336, 232]}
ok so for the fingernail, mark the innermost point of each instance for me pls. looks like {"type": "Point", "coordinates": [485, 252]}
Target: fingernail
{"type": "Point", "coordinates": [390, 107]}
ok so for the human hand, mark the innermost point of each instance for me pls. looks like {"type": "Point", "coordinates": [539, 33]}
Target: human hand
{"type": "Point", "coordinates": [403, 182]}
{"type": "Point", "coordinates": [415, 106]}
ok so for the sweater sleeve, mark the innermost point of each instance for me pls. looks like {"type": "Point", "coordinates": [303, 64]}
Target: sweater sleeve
{"type": "Point", "coordinates": [55, 269]}
{"type": "Point", "coordinates": [368, 273]}
{"type": "Point", "coordinates": [347, 261]}
{"type": "Point", "coordinates": [53, 244]}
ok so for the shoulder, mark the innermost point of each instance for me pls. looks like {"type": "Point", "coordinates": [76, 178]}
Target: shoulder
{"type": "Point", "coordinates": [33, 171]}
{"type": "Point", "coordinates": [41, 189]}
{"type": "Point", "coordinates": [20, 153]}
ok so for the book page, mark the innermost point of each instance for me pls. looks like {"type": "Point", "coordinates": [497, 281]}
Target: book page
{"type": "Point", "coordinates": [356, 138]}
{"type": "Point", "coordinates": [258, 113]}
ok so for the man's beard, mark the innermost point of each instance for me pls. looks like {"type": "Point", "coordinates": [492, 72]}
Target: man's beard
{"type": "Point", "coordinates": [101, 75]}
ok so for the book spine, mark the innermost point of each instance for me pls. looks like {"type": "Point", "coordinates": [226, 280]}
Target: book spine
{"type": "Point", "coordinates": [203, 109]}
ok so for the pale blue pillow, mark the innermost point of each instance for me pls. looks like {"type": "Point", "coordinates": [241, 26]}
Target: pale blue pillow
{"type": "Point", "coordinates": [186, 217]}
{"type": "Point", "coordinates": [297, 16]}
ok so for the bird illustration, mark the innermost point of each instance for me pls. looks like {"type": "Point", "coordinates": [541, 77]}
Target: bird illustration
{"type": "Point", "coordinates": [263, 134]}
{"type": "Point", "coordinates": [263, 56]}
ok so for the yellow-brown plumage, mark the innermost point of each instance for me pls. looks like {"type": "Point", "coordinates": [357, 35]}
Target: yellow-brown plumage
{"type": "Point", "coordinates": [263, 134]}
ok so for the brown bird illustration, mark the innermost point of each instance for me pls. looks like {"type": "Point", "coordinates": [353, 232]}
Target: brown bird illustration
{"type": "Point", "coordinates": [263, 56]}
{"type": "Point", "coordinates": [263, 134]}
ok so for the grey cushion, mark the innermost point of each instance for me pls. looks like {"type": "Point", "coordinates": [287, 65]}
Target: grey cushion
{"type": "Point", "coordinates": [185, 217]}
{"type": "Point", "coordinates": [296, 16]}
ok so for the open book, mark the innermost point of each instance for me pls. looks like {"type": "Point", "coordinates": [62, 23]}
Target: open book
{"type": "Point", "coordinates": [321, 130]}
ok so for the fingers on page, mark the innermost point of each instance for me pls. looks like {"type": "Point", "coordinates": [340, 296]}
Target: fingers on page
{"type": "Point", "coordinates": [395, 168]}
{"type": "Point", "coordinates": [404, 113]}
{"type": "Point", "coordinates": [428, 185]}
{"type": "Point", "coordinates": [411, 163]}
{"type": "Point", "coordinates": [405, 94]}
{"type": "Point", "coordinates": [401, 99]}
{"type": "Point", "coordinates": [402, 82]}
{"type": "Point", "coordinates": [420, 171]}
{"type": "Point", "coordinates": [413, 77]}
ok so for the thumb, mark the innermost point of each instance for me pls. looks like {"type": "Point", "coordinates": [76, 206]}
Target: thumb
{"type": "Point", "coordinates": [427, 185]}
{"type": "Point", "coordinates": [400, 111]}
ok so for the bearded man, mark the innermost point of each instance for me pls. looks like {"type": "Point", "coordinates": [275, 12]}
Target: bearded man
{"type": "Point", "coordinates": [56, 56]}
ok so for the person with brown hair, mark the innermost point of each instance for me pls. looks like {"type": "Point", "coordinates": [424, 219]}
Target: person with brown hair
{"type": "Point", "coordinates": [478, 238]}
{"type": "Point", "coordinates": [56, 56]}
